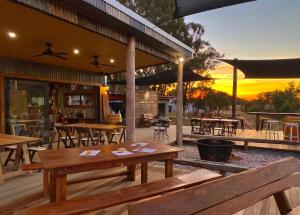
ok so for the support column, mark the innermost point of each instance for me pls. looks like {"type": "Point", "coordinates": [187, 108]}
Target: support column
{"type": "Point", "coordinates": [234, 89]}
{"type": "Point", "coordinates": [179, 104]}
{"type": "Point", "coordinates": [2, 117]}
{"type": "Point", "coordinates": [130, 90]}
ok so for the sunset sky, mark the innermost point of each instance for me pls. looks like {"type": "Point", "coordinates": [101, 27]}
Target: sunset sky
{"type": "Point", "coordinates": [264, 29]}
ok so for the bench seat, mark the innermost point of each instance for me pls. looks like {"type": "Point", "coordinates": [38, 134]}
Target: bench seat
{"type": "Point", "coordinates": [125, 195]}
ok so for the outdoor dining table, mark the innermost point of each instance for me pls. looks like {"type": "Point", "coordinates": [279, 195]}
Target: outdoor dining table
{"type": "Point", "coordinates": [217, 120]}
{"type": "Point", "coordinates": [21, 143]}
{"type": "Point", "coordinates": [105, 128]}
{"type": "Point", "coordinates": [258, 114]}
{"type": "Point", "coordinates": [68, 161]}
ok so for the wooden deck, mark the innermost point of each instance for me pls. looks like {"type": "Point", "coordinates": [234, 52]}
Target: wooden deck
{"type": "Point", "coordinates": [147, 134]}
{"type": "Point", "coordinates": [25, 191]}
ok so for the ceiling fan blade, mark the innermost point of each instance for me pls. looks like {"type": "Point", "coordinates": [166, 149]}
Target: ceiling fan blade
{"type": "Point", "coordinates": [60, 53]}
{"type": "Point", "coordinates": [106, 65]}
{"type": "Point", "coordinates": [39, 55]}
{"type": "Point", "coordinates": [61, 57]}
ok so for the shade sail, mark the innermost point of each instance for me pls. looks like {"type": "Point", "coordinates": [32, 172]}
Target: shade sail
{"type": "Point", "coordinates": [188, 7]}
{"type": "Point", "coordinates": [168, 77]}
{"type": "Point", "coordinates": [262, 69]}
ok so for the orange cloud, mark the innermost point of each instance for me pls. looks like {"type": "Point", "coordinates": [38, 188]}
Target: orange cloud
{"type": "Point", "coordinates": [247, 88]}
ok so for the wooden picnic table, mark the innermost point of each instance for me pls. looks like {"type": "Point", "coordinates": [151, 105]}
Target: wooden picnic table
{"type": "Point", "coordinates": [67, 161]}
{"type": "Point", "coordinates": [105, 128]}
{"type": "Point", "coordinates": [258, 114]}
{"type": "Point", "coordinates": [21, 143]}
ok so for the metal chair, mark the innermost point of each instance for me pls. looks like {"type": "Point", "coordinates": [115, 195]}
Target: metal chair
{"type": "Point", "coordinates": [272, 128]}
{"type": "Point", "coordinates": [161, 130]}
{"type": "Point", "coordinates": [294, 131]}
{"type": "Point", "coordinates": [196, 126]}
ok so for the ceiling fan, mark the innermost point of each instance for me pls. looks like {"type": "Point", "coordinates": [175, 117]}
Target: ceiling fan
{"type": "Point", "coordinates": [49, 52]}
{"type": "Point", "coordinates": [96, 62]}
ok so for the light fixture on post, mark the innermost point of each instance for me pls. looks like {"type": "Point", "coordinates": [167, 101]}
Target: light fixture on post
{"type": "Point", "coordinates": [181, 59]}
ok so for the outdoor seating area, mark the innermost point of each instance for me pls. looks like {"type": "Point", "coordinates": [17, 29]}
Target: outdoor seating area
{"type": "Point", "coordinates": [111, 107]}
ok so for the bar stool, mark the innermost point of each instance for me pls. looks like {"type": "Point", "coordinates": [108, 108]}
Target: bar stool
{"type": "Point", "coordinates": [293, 126]}
{"type": "Point", "coordinates": [272, 128]}
{"type": "Point", "coordinates": [262, 123]}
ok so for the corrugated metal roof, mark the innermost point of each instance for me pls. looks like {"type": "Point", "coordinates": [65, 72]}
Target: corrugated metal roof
{"type": "Point", "coordinates": [145, 22]}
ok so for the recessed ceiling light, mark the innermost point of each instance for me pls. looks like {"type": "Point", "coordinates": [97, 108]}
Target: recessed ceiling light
{"type": "Point", "coordinates": [12, 34]}
{"type": "Point", "coordinates": [112, 60]}
{"type": "Point", "coordinates": [76, 51]}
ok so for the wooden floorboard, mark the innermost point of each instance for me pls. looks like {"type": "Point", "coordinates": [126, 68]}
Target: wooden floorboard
{"type": "Point", "coordinates": [17, 190]}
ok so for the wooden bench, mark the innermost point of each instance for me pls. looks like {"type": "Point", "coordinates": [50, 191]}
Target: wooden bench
{"type": "Point", "coordinates": [228, 195]}
{"type": "Point", "coordinates": [147, 120]}
{"type": "Point", "coordinates": [125, 195]}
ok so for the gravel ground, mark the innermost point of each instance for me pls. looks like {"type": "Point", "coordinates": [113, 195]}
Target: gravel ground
{"type": "Point", "coordinates": [250, 159]}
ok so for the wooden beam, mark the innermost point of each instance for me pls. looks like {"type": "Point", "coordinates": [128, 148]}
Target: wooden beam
{"type": "Point", "coordinates": [234, 89]}
{"type": "Point", "coordinates": [130, 90]}
{"type": "Point", "coordinates": [179, 105]}
{"type": "Point", "coordinates": [222, 167]}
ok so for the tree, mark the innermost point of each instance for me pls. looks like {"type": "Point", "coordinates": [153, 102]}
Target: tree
{"type": "Point", "coordinates": [278, 101]}
{"type": "Point", "coordinates": [160, 13]}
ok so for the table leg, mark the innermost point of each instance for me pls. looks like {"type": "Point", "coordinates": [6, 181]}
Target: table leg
{"type": "Point", "coordinates": [168, 168]}
{"type": "Point", "coordinates": [105, 138]}
{"type": "Point", "coordinates": [52, 187]}
{"type": "Point", "coordinates": [131, 172]}
{"type": "Point", "coordinates": [46, 182]}
{"type": "Point", "coordinates": [116, 135]}
{"type": "Point", "coordinates": [58, 187]}
{"type": "Point", "coordinates": [18, 157]}
{"type": "Point", "coordinates": [26, 155]}
{"type": "Point", "coordinates": [257, 122]}
{"type": "Point", "coordinates": [144, 173]}
{"type": "Point", "coordinates": [61, 187]}
{"type": "Point", "coordinates": [1, 172]}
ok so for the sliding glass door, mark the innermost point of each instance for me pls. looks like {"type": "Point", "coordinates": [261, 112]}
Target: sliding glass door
{"type": "Point", "coordinates": [26, 103]}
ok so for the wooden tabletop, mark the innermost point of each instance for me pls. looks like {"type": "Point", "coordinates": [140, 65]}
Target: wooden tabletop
{"type": "Point", "coordinates": [68, 157]}
{"type": "Point", "coordinates": [217, 119]}
{"type": "Point", "coordinates": [95, 126]}
{"type": "Point", "coordinates": [7, 139]}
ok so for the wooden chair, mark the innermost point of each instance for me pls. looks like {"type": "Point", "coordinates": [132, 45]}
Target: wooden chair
{"type": "Point", "coordinates": [64, 136]}
{"type": "Point", "coordinates": [119, 135]}
{"type": "Point", "coordinates": [85, 137]}
{"type": "Point", "coordinates": [16, 130]}
{"type": "Point", "coordinates": [47, 139]}
{"type": "Point", "coordinates": [228, 195]}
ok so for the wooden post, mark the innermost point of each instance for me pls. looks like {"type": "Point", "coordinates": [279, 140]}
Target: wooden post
{"type": "Point", "coordinates": [234, 89]}
{"type": "Point", "coordinates": [130, 90]}
{"type": "Point", "coordinates": [179, 104]}
{"type": "Point", "coordinates": [2, 117]}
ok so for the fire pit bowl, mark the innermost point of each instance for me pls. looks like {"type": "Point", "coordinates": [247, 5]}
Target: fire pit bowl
{"type": "Point", "coordinates": [215, 150]}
